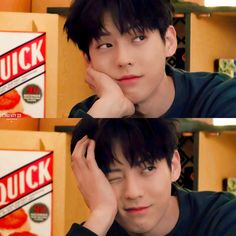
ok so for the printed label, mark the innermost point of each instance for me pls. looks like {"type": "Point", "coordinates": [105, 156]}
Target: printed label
{"type": "Point", "coordinates": [22, 62]}
{"type": "Point", "coordinates": [26, 192]}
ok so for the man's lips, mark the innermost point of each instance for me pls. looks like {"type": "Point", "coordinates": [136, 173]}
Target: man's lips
{"type": "Point", "coordinates": [136, 210]}
{"type": "Point", "coordinates": [129, 78]}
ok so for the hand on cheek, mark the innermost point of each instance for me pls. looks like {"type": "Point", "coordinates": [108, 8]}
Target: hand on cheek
{"type": "Point", "coordinates": [94, 187]}
{"type": "Point", "coordinates": [90, 178]}
{"type": "Point", "coordinates": [112, 102]}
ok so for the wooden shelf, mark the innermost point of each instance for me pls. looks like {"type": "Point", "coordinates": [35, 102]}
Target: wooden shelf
{"type": "Point", "coordinates": [179, 8]}
{"type": "Point", "coordinates": [58, 10]}
{"type": "Point", "coordinates": [216, 160]}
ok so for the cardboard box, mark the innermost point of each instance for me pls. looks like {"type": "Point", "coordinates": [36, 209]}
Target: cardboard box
{"type": "Point", "coordinates": [22, 74]}
{"type": "Point", "coordinates": [65, 66]}
{"type": "Point", "coordinates": [26, 186]}
{"type": "Point", "coordinates": [68, 204]}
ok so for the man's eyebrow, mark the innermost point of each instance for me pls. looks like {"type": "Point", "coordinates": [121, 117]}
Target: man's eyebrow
{"type": "Point", "coordinates": [104, 33]}
{"type": "Point", "coordinates": [114, 170]}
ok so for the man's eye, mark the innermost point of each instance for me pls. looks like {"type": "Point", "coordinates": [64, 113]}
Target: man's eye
{"type": "Point", "coordinates": [139, 38]}
{"type": "Point", "coordinates": [104, 45]}
{"type": "Point", "coordinates": [149, 169]}
{"type": "Point", "coordinates": [114, 180]}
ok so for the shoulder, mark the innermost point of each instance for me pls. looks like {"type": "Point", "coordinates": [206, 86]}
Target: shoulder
{"type": "Point", "coordinates": [221, 98]}
{"type": "Point", "coordinates": [205, 94]}
{"type": "Point", "coordinates": [198, 79]}
{"type": "Point", "coordinates": [221, 213]}
{"type": "Point", "coordinates": [207, 213]}
{"type": "Point", "coordinates": [206, 198]}
{"type": "Point", "coordinates": [80, 109]}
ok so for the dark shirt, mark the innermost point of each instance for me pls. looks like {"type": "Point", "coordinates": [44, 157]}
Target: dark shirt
{"type": "Point", "coordinates": [201, 214]}
{"type": "Point", "coordinates": [197, 94]}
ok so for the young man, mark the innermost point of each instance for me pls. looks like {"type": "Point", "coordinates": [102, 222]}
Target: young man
{"type": "Point", "coordinates": [126, 43]}
{"type": "Point", "coordinates": [126, 169]}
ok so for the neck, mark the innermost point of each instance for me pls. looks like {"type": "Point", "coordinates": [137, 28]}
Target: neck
{"type": "Point", "coordinates": [158, 103]}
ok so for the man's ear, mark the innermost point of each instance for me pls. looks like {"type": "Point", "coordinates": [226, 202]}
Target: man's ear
{"type": "Point", "coordinates": [175, 166]}
{"type": "Point", "coordinates": [170, 41]}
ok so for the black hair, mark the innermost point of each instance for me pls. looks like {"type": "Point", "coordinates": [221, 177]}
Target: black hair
{"type": "Point", "coordinates": [142, 141]}
{"type": "Point", "coordinates": [85, 21]}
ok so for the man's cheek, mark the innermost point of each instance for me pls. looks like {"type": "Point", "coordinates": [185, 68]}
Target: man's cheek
{"type": "Point", "coordinates": [102, 65]}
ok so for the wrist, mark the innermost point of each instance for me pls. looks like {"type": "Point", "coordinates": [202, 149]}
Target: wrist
{"type": "Point", "coordinates": [100, 221]}
{"type": "Point", "coordinates": [105, 107]}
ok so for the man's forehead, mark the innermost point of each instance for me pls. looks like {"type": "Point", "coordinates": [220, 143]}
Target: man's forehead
{"type": "Point", "coordinates": [108, 22]}
{"type": "Point", "coordinates": [110, 27]}
{"type": "Point", "coordinates": [119, 162]}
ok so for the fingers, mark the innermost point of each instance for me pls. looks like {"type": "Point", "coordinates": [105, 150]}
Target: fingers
{"type": "Point", "coordinates": [83, 154]}
{"type": "Point", "coordinates": [80, 148]}
{"type": "Point", "coordinates": [78, 156]}
{"type": "Point", "coordinates": [91, 162]}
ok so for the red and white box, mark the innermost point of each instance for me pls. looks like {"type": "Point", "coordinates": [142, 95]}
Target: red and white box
{"type": "Point", "coordinates": [22, 74]}
{"type": "Point", "coordinates": [26, 187]}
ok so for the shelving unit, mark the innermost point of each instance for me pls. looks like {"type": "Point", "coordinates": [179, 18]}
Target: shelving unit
{"type": "Point", "coordinates": [215, 160]}
{"type": "Point", "coordinates": [211, 37]}
{"type": "Point", "coordinates": [211, 152]}
{"type": "Point", "coordinates": [210, 34]}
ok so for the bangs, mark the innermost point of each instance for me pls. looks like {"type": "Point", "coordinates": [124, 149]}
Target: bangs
{"type": "Point", "coordinates": [127, 16]}
{"type": "Point", "coordinates": [86, 19]}
{"type": "Point", "coordinates": [138, 141]}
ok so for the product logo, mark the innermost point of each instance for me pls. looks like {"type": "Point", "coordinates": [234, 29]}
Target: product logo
{"type": "Point", "coordinates": [39, 213]}
{"type": "Point", "coordinates": [32, 93]}
{"type": "Point", "coordinates": [26, 180]}
{"type": "Point", "coordinates": [23, 63]}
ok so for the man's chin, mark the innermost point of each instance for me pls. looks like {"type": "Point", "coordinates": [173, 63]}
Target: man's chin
{"type": "Point", "coordinates": [135, 225]}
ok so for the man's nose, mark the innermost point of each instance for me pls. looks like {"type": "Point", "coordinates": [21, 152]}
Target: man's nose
{"type": "Point", "coordinates": [133, 188]}
{"type": "Point", "coordinates": [124, 56]}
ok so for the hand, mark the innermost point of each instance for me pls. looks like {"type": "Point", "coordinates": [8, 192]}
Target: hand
{"type": "Point", "coordinates": [112, 102]}
{"type": "Point", "coordinates": [94, 186]}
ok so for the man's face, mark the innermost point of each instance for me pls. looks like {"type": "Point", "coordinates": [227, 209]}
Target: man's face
{"type": "Point", "coordinates": [143, 193]}
{"type": "Point", "coordinates": [136, 61]}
